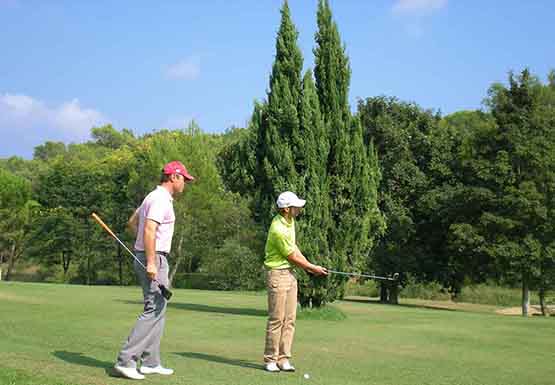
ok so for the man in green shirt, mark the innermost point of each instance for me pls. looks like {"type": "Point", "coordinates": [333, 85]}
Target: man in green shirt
{"type": "Point", "coordinates": [281, 254]}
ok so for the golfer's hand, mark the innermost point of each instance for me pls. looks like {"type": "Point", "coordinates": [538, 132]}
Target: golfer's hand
{"type": "Point", "coordinates": [318, 270]}
{"type": "Point", "coordinates": [151, 271]}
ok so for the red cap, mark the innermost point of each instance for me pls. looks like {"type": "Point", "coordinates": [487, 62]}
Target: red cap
{"type": "Point", "coordinates": [176, 167]}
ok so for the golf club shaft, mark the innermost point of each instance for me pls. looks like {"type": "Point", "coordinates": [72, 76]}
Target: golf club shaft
{"type": "Point", "coordinates": [361, 275]}
{"type": "Point", "coordinates": [109, 231]}
{"type": "Point", "coordinates": [164, 290]}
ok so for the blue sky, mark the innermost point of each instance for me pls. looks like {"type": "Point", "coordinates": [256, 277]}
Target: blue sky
{"type": "Point", "coordinates": [66, 66]}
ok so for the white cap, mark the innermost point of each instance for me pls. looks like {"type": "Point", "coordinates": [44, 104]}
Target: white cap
{"type": "Point", "coordinates": [289, 199]}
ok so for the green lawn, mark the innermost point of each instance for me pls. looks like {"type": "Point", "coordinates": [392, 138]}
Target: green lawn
{"type": "Point", "coordinates": [62, 334]}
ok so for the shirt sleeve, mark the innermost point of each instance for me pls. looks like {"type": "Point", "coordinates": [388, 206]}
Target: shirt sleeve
{"type": "Point", "coordinates": [284, 244]}
{"type": "Point", "coordinates": [156, 211]}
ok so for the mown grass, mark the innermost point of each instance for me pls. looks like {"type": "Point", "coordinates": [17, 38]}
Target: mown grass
{"type": "Point", "coordinates": [63, 334]}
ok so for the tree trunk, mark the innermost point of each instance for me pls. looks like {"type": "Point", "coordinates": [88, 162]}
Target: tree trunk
{"type": "Point", "coordinates": [120, 265]}
{"type": "Point", "coordinates": [178, 260]}
{"type": "Point", "coordinates": [383, 293]}
{"type": "Point", "coordinates": [393, 293]}
{"type": "Point", "coordinates": [66, 258]}
{"type": "Point", "coordinates": [541, 294]}
{"type": "Point", "coordinates": [11, 263]}
{"type": "Point", "coordinates": [88, 269]}
{"type": "Point", "coordinates": [525, 297]}
{"type": "Point", "coordinates": [316, 302]}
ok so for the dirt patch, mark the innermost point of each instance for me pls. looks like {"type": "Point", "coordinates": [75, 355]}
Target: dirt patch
{"type": "Point", "coordinates": [19, 299]}
{"type": "Point", "coordinates": [532, 310]}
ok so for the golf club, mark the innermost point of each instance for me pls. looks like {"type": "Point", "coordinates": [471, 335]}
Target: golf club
{"type": "Point", "coordinates": [163, 289]}
{"type": "Point", "coordinates": [394, 278]}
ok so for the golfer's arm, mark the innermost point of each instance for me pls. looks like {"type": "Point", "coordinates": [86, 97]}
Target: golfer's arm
{"type": "Point", "coordinates": [297, 258]}
{"type": "Point", "coordinates": [149, 237]}
{"type": "Point", "coordinates": [133, 222]}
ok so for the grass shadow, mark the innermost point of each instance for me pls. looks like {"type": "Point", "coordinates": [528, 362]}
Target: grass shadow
{"type": "Point", "coordinates": [221, 360]}
{"type": "Point", "coordinates": [408, 305]}
{"type": "Point", "coordinates": [211, 309]}
{"type": "Point", "coordinates": [80, 359]}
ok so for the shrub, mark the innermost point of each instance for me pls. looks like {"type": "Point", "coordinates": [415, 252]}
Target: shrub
{"type": "Point", "coordinates": [235, 267]}
{"type": "Point", "coordinates": [324, 313]}
{"type": "Point", "coordinates": [423, 290]}
{"type": "Point", "coordinates": [362, 289]}
{"type": "Point", "coordinates": [494, 295]}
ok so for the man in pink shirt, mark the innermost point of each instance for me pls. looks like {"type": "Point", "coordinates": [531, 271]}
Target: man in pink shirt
{"type": "Point", "coordinates": [153, 223]}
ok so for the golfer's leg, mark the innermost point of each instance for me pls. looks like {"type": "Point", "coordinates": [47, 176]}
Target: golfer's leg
{"type": "Point", "coordinates": [142, 333]}
{"type": "Point", "coordinates": [151, 354]}
{"type": "Point", "coordinates": [151, 346]}
{"type": "Point", "coordinates": [290, 282]}
{"type": "Point", "coordinates": [276, 312]}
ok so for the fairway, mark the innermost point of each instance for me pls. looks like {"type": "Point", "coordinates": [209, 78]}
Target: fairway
{"type": "Point", "coordinates": [62, 334]}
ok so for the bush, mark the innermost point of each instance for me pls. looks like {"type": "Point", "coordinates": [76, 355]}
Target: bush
{"type": "Point", "coordinates": [198, 281]}
{"type": "Point", "coordinates": [423, 290]}
{"type": "Point", "coordinates": [324, 313]}
{"type": "Point", "coordinates": [494, 295]}
{"type": "Point", "coordinates": [362, 289]}
{"type": "Point", "coordinates": [235, 267]}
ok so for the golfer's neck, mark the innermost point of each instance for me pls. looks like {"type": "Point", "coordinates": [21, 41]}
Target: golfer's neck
{"type": "Point", "coordinates": [168, 188]}
{"type": "Point", "coordinates": [287, 217]}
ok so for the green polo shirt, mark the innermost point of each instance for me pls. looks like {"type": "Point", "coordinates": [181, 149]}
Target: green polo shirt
{"type": "Point", "coordinates": [280, 243]}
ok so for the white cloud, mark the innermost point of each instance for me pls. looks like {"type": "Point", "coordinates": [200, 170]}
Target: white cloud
{"type": "Point", "coordinates": [412, 14]}
{"type": "Point", "coordinates": [26, 122]}
{"type": "Point", "coordinates": [186, 69]}
{"type": "Point", "coordinates": [70, 116]}
{"type": "Point", "coordinates": [412, 6]}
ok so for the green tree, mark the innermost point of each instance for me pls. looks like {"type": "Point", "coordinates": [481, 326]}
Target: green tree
{"type": "Point", "coordinates": [53, 240]}
{"type": "Point", "coordinates": [352, 167]}
{"type": "Point", "coordinates": [108, 136]}
{"type": "Point", "coordinates": [236, 160]}
{"type": "Point", "coordinates": [75, 182]}
{"type": "Point", "coordinates": [311, 154]}
{"type": "Point", "coordinates": [453, 204]}
{"type": "Point", "coordinates": [17, 211]}
{"type": "Point", "coordinates": [400, 132]}
{"type": "Point", "coordinates": [49, 150]}
{"type": "Point", "coordinates": [207, 215]}
{"type": "Point", "coordinates": [511, 164]}
{"type": "Point", "coordinates": [279, 123]}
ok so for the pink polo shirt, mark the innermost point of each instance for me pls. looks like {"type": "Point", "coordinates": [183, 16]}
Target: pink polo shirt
{"type": "Point", "coordinates": [158, 206]}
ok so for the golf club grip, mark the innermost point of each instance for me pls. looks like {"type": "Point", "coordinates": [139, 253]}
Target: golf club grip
{"type": "Point", "coordinates": [103, 225]}
{"type": "Point", "coordinates": [166, 293]}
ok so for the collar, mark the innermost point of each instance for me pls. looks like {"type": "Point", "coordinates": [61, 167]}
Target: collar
{"type": "Point", "coordinates": [283, 220]}
{"type": "Point", "coordinates": [165, 192]}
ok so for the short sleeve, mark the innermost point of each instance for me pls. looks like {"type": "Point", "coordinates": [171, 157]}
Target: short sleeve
{"type": "Point", "coordinates": [156, 211]}
{"type": "Point", "coordinates": [284, 243]}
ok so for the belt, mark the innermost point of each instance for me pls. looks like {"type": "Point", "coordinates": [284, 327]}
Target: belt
{"type": "Point", "coordinates": [163, 253]}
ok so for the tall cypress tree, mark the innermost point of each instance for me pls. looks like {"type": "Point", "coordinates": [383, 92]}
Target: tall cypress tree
{"type": "Point", "coordinates": [307, 141]}
{"type": "Point", "coordinates": [311, 156]}
{"type": "Point", "coordinates": [279, 121]}
{"type": "Point", "coordinates": [352, 167]}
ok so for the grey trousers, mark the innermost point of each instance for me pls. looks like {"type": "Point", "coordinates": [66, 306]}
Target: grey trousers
{"type": "Point", "coordinates": [143, 342]}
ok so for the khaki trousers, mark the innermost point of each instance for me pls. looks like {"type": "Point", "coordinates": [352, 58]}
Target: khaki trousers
{"type": "Point", "coordinates": [282, 313]}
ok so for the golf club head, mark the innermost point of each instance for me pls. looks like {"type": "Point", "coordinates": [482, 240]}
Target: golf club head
{"type": "Point", "coordinates": [396, 276]}
{"type": "Point", "coordinates": [166, 293]}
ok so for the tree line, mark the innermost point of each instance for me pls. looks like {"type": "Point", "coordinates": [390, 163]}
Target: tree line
{"type": "Point", "coordinates": [457, 199]}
